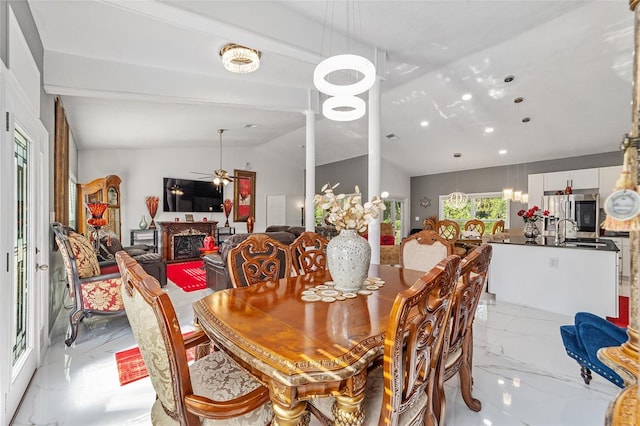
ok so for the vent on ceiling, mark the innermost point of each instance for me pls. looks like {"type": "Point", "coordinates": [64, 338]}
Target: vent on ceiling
{"type": "Point", "coordinates": [250, 126]}
{"type": "Point", "coordinates": [392, 137]}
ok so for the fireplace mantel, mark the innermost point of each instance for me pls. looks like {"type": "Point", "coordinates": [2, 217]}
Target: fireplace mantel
{"type": "Point", "coordinates": [171, 229]}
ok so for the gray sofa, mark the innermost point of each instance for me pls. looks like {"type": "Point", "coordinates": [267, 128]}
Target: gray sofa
{"type": "Point", "coordinates": [216, 264]}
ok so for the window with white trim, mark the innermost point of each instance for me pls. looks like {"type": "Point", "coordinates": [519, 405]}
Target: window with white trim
{"type": "Point", "coordinates": [488, 207]}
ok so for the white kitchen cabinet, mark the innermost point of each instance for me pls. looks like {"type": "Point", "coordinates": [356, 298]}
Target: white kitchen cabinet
{"type": "Point", "coordinates": [607, 181]}
{"type": "Point", "coordinates": [535, 189]}
{"type": "Point", "coordinates": [626, 259]}
{"type": "Point", "coordinates": [579, 179]}
{"type": "Point", "coordinates": [623, 256]}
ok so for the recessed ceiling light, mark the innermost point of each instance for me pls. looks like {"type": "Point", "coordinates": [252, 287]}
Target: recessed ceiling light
{"type": "Point", "coordinates": [509, 79]}
{"type": "Point", "coordinates": [518, 100]}
{"type": "Point", "coordinates": [467, 96]}
{"type": "Point", "coordinates": [502, 152]}
{"type": "Point", "coordinates": [250, 126]}
{"type": "Point", "coordinates": [526, 119]}
{"type": "Point", "coordinates": [392, 137]}
{"type": "Point", "coordinates": [424, 123]}
{"type": "Point", "coordinates": [488, 129]}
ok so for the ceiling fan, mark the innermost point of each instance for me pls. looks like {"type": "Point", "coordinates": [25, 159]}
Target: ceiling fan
{"type": "Point", "coordinates": [220, 175]}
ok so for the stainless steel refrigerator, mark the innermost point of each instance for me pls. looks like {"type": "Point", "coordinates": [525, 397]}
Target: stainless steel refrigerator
{"type": "Point", "coordinates": [582, 208]}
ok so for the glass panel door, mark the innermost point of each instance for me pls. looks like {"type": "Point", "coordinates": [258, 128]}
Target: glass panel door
{"type": "Point", "coordinates": [393, 214]}
{"type": "Point", "coordinates": [21, 243]}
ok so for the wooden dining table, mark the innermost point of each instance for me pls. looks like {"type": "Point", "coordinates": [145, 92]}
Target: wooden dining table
{"type": "Point", "coordinates": [301, 349]}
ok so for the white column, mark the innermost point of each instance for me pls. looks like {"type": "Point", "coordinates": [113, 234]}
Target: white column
{"type": "Point", "coordinates": [374, 164]}
{"type": "Point", "coordinates": [310, 164]}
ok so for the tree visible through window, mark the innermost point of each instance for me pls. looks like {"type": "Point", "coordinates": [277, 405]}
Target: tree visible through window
{"type": "Point", "coordinates": [488, 207]}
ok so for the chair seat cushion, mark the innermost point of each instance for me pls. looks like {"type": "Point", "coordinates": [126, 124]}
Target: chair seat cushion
{"type": "Point", "coordinates": [219, 378]}
{"type": "Point", "coordinates": [372, 403]}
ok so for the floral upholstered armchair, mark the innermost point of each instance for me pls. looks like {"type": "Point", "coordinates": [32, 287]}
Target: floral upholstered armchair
{"type": "Point", "coordinates": [94, 288]}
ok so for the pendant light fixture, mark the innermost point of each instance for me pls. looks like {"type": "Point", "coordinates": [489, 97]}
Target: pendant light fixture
{"type": "Point", "coordinates": [457, 199]}
{"type": "Point", "coordinates": [343, 104]}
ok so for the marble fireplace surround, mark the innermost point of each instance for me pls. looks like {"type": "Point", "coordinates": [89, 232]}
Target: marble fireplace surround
{"type": "Point", "coordinates": [181, 240]}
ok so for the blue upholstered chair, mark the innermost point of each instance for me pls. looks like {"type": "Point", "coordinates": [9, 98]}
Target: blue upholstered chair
{"type": "Point", "coordinates": [583, 339]}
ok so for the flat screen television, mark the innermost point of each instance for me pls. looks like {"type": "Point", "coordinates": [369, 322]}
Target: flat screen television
{"type": "Point", "coordinates": [184, 195]}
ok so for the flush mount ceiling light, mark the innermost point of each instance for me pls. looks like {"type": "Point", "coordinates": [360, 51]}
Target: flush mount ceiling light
{"type": "Point", "coordinates": [240, 59]}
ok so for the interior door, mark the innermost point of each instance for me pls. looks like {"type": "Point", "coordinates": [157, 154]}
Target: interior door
{"type": "Point", "coordinates": [24, 243]}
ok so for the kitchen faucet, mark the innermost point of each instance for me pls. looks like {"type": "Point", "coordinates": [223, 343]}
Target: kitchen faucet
{"type": "Point", "coordinates": [557, 241]}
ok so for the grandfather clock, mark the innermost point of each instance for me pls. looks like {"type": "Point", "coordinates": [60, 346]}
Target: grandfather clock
{"type": "Point", "coordinates": [101, 190]}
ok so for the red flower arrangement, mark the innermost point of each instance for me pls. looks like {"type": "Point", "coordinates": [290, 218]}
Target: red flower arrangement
{"type": "Point", "coordinates": [533, 215]}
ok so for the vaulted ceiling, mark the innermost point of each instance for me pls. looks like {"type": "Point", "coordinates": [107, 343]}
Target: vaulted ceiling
{"type": "Point", "coordinates": [148, 74]}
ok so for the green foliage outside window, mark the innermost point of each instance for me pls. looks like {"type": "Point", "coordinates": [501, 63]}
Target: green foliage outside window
{"type": "Point", "coordinates": [489, 208]}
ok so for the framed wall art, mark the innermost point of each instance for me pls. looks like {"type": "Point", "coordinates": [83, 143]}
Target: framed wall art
{"type": "Point", "coordinates": [244, 195]}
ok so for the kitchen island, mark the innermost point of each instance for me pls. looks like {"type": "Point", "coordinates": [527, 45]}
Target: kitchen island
{"type": "Point", "coordinates": [579, 275]}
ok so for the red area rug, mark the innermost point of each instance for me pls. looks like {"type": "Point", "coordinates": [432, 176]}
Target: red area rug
{"type": "Point", "coordinates": [131, 365]}
{"type": "Point", "coordinates": [189, 276]}
{"type": "Point", "coordinates": [623, 311]}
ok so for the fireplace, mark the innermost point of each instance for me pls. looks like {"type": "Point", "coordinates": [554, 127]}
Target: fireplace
{"type": "Point", "coordinates": [181, 240]}
{"type": "Point", "coordinates": [186, 246]}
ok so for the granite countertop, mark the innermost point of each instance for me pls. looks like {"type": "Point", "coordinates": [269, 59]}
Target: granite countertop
{"type": "Point", "coordinates": [599, 244]}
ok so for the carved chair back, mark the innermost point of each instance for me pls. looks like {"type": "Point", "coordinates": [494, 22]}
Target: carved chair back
{"type": "Point", "coordinates": [448, 229]}
{"type": "Point", "coordinates": [309, 253]}
{"type": "Point", "coordinates": [498, 227]}
{"type": "Point", "coordinates": [415, 340]}
{"type": "Point", "coordinates": [459, 358]}
{"type": "Point", "coordinates": [423, 250]}
{"type": "Point", "coordinates": [257, 259]}
{"type": "Point", "coordinates": [475, 225]}
{"type": "Point", "coordinates": [428, 225]}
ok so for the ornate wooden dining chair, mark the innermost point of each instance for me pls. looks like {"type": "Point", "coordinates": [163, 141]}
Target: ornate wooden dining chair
{"type": "Point", "coordinates": [94, 287]}
{"type": "Point", "coordinates": [428, 225]}
{"type": "Point", "coordinates": [257, 259]}
{"type": "Point", "coordinates": [475, 225]}
{"type": "Point", "coordinates": [450, 231]}
{"type": "Point", "coordinates": [214, 387]}
{"type": "Point", "coordinates": [459, 357]}
{"type": "Point", "coordinates": [498, 227]}
{"type": "Point", "coordinates": [423, 250]}
{"type": "Point", "coordinates": [308, 253]}
{"type": "Point", "coordinates": [401, 392]}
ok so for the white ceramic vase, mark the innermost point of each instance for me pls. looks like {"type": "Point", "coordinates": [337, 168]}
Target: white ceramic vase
{"type": "Point", "coordinates": [348, 258]}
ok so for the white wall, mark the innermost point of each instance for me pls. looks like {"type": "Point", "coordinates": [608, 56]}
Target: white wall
{"type": "Point", "coordinates": [142, 170]}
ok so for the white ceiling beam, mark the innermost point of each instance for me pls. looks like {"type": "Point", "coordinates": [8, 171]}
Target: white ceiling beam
{"type": "Point", "coordinates": [74, 75]}
{"type": "Point", "coordinates": [189, 20]}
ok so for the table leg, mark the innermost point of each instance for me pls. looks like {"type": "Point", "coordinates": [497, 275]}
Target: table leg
{"type": "Point", "coordinates": [296, 416]}
{"type": "Point", "coordinates": [348, 410]}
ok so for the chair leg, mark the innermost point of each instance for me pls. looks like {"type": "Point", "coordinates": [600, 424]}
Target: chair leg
{"type": "Point", "coordinates": [585, 373]}
{"type": "Point", "coordinates": [74, 319]}
{"type": "Point", "coordinates": [466, 383]}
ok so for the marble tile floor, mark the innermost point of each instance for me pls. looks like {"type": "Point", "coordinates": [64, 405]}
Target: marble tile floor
{"type": "Point", "coordinates": [521, 374]}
